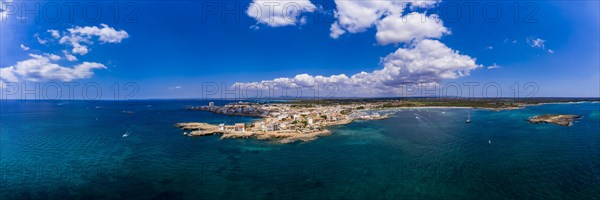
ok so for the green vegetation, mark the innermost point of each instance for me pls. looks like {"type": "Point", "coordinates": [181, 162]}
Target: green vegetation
{"type": "Point", "coordinates": [453, 103]}
{"type": "Point", "coordinates": [302, 105]}
{"type": "Point", "coordinates": [346, 112]}
{"type": "Point", "coordinates": [491, 103]}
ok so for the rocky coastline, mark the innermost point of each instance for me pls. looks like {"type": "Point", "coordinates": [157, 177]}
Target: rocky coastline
{"type": "Point", "coordinates": [281, 136]}
{"type": "Point", "coordinates": [558, 119]}
{"type": "Point", "coordinates": [283, 123]}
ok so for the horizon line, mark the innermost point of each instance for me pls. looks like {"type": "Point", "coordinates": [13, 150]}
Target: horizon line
{"type": "Point", "coordinates": [336, 98]}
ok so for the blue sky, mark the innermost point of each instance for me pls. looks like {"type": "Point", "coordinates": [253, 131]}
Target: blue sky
{"type": "Point", "coordinates": [170, 49]}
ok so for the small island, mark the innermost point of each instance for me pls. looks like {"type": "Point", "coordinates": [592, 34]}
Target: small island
{"type": "Point", "coordinates": [305, 120]}
{"type": "Point", "coordinates": [561, 120]}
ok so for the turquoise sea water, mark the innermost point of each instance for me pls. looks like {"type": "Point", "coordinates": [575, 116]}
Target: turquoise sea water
{"type": "Point", "coordinates": [75, 150]}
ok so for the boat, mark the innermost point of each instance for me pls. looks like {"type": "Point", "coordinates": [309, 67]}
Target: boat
{"type": "Point", "coordinates": [126, 134]}
{"type": "Point", "coordinates": [468, 117]}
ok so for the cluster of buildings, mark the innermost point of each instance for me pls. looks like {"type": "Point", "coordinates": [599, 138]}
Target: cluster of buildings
{"type": "Point", "coordinates": [303, 118]}
{"type": "Point", "coordinates": [289, 117]}
{"type": "Point", "coordinates": [240, 127]}
{"type": "Point", "coordinates": [242, 109]}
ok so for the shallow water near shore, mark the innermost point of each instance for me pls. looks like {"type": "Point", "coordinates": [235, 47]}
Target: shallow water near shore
{"type": "Point", "coordinates": [75, 149]}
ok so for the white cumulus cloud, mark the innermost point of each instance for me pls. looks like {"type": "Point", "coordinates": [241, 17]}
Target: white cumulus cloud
{"type": "Point", "coordinates": [80, 37]}
{"type": "Point", "coordinates": [50, 56]}
{"type": "Point", "coordinates": [25, 48]}
{"type": "Point", "coordinates": [277, 13]}
{"type": "Point", "coordinates": [55, 34]}
{"type": "Point", "coordinates": [41, 68]}
{"type": "Point", "coordinates": [44, 66]}
{"type": "Point", "coordinates": [539, 43]}
{"type": "Point", "coordinates": [536, 43]}
{"type": "Point", "coordinates": [40, 40]}
{"type": "Point", "coordinates": [7, 74]}
{"type": "Point", "coordinates": [424, 62]}
{"type": "Point", "coordinates": [68, 56]}
{"type": "Point", "coordinates": [355, 16]}
{"type": "Point", "coordinates": [423, 3]}
{"type": "Point", "coordinates": [395, 29]}
{"type": "Point", "coordinates": [493, 66]}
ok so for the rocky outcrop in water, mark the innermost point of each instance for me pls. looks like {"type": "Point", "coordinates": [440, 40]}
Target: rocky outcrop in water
{"type": "Point", "coordinates": [562, 120]}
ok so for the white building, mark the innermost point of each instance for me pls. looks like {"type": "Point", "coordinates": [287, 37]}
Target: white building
{"type": "Point", "coordinates": [275, 114]}
{"type": "Point", "coordinates": [283, 125]}
{"type": "Point", "coordinates": [240, 127]}
{"type": "Point", "coordinates": [260, 126]}
{"type": "Point", "coordinates": [282, 116]}
{"type": "Point", "coordinates": [273, 127]}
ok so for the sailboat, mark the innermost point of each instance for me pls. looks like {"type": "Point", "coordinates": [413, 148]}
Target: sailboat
{"type": "Point", "coordinates": [469, 117]}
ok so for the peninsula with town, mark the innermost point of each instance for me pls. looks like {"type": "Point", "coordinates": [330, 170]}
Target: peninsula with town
{"type": "Point", "coordinates": [305, 120]}
{"type": "Point", "coordinates": [281, 122]}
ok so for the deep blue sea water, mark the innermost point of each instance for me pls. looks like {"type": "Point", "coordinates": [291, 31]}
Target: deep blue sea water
{"type": "Point", "coordinates": [75, 150]}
